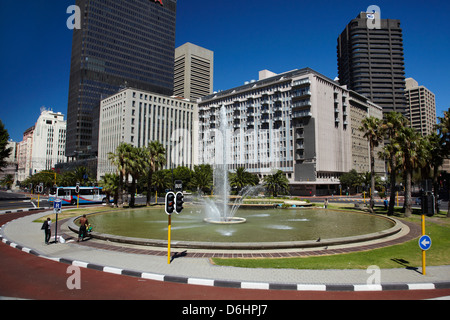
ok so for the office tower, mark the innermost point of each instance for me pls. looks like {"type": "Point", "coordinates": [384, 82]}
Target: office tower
{"type": "Point", "coordinates": [194, 71]}
{"type": "Point", "coordinates": [300, 122]}
{"type": "Point", "coordinates": [371, 62]}
{"type": "Point", "coordinates": [421, 104]}
{"type": "Point", "coordinates": [49, 141]}
{"type": "Point", "coordinates": [120, 44]}
{"type": "Point", "coordinates": [138, 117]}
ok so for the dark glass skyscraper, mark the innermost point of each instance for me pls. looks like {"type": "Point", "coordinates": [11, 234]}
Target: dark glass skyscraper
{"type": "Point", "coordinates": [371, 62]}
{"type": "Point", "coordinates": [121, 43]}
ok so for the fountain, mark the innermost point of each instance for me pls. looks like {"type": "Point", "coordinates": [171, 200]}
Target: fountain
{"type": "Point", "coordinates": [218, 211]}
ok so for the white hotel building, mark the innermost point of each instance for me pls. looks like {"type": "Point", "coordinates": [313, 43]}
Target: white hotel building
{"type": "Point", "coordinates": [300, 122]}
{"type": "Point", "coordinates": [139, 117]}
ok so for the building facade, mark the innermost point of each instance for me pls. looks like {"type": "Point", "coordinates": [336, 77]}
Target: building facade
{"type": "Point", "coordinates": [300, 122]}
{"type": "Point", "coordinates": [194, 72]}
{"type": "Point", "coordinates": [421, 107]}
{"type": "Point", "coordinates": [120, 44]}
{"type": "Point", "coordinates": [49, 141]}
{"type": "Point", "coordinates": [138, 117]}
{"type": "Point", "coordinates": [371, 62]}
{"type": "Point", "coordinates": [24, 155]}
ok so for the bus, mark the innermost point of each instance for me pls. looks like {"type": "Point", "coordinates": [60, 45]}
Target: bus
{"type": "Point", "coordinates": [87, 195]}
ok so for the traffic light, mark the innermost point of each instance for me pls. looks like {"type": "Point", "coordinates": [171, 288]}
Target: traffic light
{"type": "Point", "coordinates": [428, 205]}
{"type": "Point", "coordinates": [170, 203]}
{"type": "Point", "coordinates": [179, 202]}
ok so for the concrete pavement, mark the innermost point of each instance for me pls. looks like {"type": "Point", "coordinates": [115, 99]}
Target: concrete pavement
{"type": "Point", "coordinates": [26, 235]}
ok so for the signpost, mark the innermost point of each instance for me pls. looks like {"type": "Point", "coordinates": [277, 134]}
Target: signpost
{"type": "Point", "coordinates": [424, 245]}
{"type": "Point", "coordinates": [77, 191]}
{"type": "Point", "coordinates": [57, 206]}
{"type": "Point", "coordinates": [425, 241]}
{"type": "Point", "coordinates": [174, 203]}
{"type": "Point", "coordinates": [170, 208]}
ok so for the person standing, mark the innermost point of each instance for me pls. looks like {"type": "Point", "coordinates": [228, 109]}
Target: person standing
{"type": "Point", "coordinates": [83, 230]}
{"type": "Point", "coordinates": [47, 229]}
{"type": "Point", "coordinates": [325, 204]}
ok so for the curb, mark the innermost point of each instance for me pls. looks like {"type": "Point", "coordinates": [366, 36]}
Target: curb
{"type": "Point", "coordinates": [236, 284]}
{"type": "Point", "coordinates": [24, 210]}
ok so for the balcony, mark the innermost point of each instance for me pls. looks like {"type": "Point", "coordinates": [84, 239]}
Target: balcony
{"type": "Point", "coordinates": [301, 82]}
{"type": "Point", "coordinates": [301, 103]}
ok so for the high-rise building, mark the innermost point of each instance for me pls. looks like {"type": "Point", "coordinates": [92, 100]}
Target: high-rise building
{"type": "Point", "coordinates": [371, 61]}
{"type": "Point", "coordinates": [300, 122]}
{"type": "Point", "coordinates": [49, 141]}
{"type": "Point", "coordinates": [43, 145]}
{"type": "Point", "coordinates": [138, 117]}
{"type": "Point", "coordinates": [194, 71]}
{"type": "Point", "coordinates": [421, 107]}
{"type": "Point", "coordinates": [120, 44]}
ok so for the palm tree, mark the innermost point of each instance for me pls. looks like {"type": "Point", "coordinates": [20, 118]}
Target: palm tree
{"type": "Point", "coordinates": [411, 148]}
{"type": "Point", "coordinates": [155, 159]}
{"type": "Point", "coordinates": [371, 127]}
{"type": "Point", "coordinates": [110, 184]}
{"type": "Point", "coordinates": [242, 178]}
{"type": "Point", "coordinates": [135, 167]}
{"type": "Point", "coordinates": [392, 124]}
{"type": "Point", "coordinates": [443, 129]}
{"type": "Point", "coordinates": [276, 182]}
{"type": "Point", "coordinates": [120, 160]}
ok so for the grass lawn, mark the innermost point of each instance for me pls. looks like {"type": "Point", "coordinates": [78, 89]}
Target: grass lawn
{"type": "Point", "coordinates": [399, 256]}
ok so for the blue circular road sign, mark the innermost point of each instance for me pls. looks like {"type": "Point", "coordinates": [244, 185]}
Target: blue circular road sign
{"type": "Point", "coordinates": [425, 242]}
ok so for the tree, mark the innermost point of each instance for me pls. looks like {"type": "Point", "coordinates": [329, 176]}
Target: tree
{"type": "Point", "coordinates": [155, 159]}
{"type": "Point", "coordinates": [135, 167]}
{"type": "Point", "coordinates": [5, 152]}
{"type": "Point", "coordinates": [411, 156]}
{"type": "Point", "coordinates": [443, 129]}
{"type": "Point", "coordinates": [351, 179]}
{"type": "Point", "coordinates": [371, 127]}
{"type": "Point", "coordinates": [392, 124]}
{"type": "Point", "coordinates": [7, 181]}
{"type": "Point", "coordinates": [110, 184]}
{"type": "Point", "coordinates": [276, 182]}
{"type": "Point", "coordinates": [202, 178]}
{"type": "Point", "coordinates": [242, 178]}
{"type": "Point", "coordinates": [119, 159]}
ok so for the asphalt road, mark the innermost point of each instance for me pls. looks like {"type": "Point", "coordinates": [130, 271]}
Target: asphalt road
{"type": "Point", "coordinates": [25, 276]}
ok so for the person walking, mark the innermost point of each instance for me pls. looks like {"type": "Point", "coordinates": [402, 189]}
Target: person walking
{"type": "Point", "coordinates": [46, 226]}
{"type": "Point", "coordinates": [83, 228]}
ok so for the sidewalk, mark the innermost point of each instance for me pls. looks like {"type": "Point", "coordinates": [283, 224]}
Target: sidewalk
{"type": "Point", "coordinates": [25, 235]}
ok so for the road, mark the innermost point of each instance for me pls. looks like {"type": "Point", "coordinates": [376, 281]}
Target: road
{"type": "Point", "coordinates": [23, 275]}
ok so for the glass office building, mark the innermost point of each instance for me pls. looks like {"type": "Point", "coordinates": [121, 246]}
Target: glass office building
{"type": "Point", "coordinates": [120, 44]}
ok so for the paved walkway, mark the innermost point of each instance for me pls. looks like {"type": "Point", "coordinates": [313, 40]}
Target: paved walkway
{"type": "Point", "coordinates": [25, 235]}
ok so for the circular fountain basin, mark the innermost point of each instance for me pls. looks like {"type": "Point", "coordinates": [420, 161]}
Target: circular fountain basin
{"type": "Point", "coordinates": [234, 220]}
{"type": "Point", "coordinates": [264, 229]}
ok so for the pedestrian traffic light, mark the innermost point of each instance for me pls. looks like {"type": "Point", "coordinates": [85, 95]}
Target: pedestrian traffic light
{"type": "Point", "coordinates": [179, 202]}
{"type": "Point", "coordinates": [170, 203]}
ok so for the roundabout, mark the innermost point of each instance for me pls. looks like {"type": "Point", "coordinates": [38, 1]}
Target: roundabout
{"type": "Point", "coordinates": [292, 231]}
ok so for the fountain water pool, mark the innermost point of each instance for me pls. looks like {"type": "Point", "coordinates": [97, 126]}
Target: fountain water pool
{"type": "Point", "coordinates": [263, 226]}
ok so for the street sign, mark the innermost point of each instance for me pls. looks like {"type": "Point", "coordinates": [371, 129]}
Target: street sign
{"type": "Point", "coordinates": [178, 185]}
{"type": "Point", "coordinates": [57, 205]}
{"type": "Point", "coordinates": [425, 243]}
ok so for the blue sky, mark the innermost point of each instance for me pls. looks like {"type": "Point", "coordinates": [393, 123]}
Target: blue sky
{"type": "Point", "coordinates": [246, 36]}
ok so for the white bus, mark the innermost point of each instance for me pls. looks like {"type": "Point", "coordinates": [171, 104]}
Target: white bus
{"type": "Point", "coordinates": [87, 195]}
